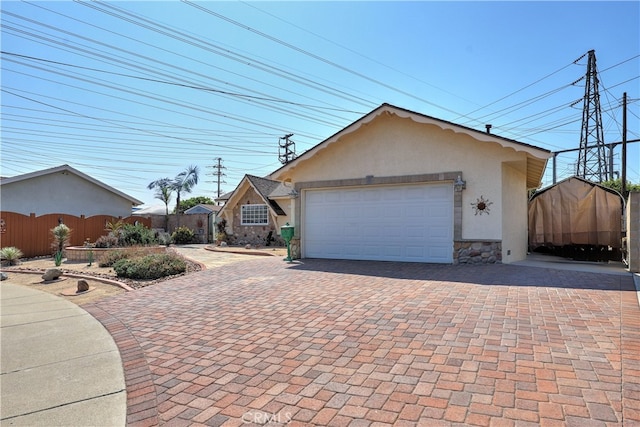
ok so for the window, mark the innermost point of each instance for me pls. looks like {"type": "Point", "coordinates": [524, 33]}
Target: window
{"type": "Point", "coordinates": [255, 215]}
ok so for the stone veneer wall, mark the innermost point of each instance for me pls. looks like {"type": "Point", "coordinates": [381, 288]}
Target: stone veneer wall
{"type": "Point", "coordinates": [294, 248]}
{"type": "Point", "coordinates": [254, 235]}
{"type": "Point", "coordinates": [477, 252]}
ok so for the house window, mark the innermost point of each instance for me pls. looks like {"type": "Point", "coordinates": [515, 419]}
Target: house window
{"type": "Point", "coordinates": [255, 215]}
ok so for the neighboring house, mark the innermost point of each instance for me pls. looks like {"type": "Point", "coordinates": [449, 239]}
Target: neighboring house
{"type": "Point", "coordinates": [212, 214]}
{"type": "Point", "coordinates": [151, 210]}
{"type": "Point", "coordinates": [63, 190]}
{"type": "Point", "coordinates": [253, 211]}
{"type": "Point", "coordinates": [400, 186]}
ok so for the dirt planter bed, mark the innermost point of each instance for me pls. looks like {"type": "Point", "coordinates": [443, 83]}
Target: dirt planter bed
{"type": "Point", "coordinates": [81, 253]}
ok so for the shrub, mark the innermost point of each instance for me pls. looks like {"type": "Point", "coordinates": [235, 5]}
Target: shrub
{"type": "Point", "coordinates": [134, 235]}
{"type": "Point", "coordinates": [221, 231]}
{"type": "Point", "coordinates": [152, 266]}
{"type": "Point", "coordinates": [114, 226]}
{"type": "Point", "coordinates": [111, 257]}
{"type": "Point", "coordinates": [57, 258]}
{"type": "Point", "coordinates": [106, 242]}
{"type": "Point", "coordinates": [183, 235]}
{"type": "Point", "coordinates": [164, 239]}
{"type": "Point", "coordinates": [11, 254]}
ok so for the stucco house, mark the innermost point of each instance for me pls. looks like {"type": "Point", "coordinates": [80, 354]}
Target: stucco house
{"type": "Point", "coordinates": [397, 185]}
{"type": "Point", "coordinates": [63, 190]}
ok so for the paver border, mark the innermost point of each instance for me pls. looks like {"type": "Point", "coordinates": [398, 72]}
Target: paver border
{"type": "Point", "coordinates": [142, 400]}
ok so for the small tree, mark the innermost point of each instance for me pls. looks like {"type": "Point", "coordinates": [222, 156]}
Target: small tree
{"type": "Point", "coordinates": [616, 184]}
{"type": "Point", "coordinates": [61, 235]}
{"type": "Point", "coordinates": [194, 201]}
{"type": "Point", "coordinates": [164, 188]}
{"type": "Point", "coordinates": [184, 182]}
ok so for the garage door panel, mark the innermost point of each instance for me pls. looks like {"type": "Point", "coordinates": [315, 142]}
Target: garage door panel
{"type": "Point", "coordinates": [398, 223]}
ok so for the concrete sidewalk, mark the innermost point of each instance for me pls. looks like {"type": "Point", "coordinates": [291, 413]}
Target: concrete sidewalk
{"type": "Point", "coordinates": [59, 365]}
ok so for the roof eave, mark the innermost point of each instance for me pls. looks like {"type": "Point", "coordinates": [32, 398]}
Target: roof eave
{"type": "Point", "coordinates": [530, 150]}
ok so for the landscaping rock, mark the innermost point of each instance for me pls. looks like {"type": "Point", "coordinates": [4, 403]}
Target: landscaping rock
{"type": "Point", "coordinates": [247, 247]}
{"type": "Point", "coordinates": [223, 244]}
{"type": "Point", "coordinates": [3, 276]}
{"type": "Point", "coordinates": [51, 274]}
{"type": "Point", "coordinates": [83, 286]}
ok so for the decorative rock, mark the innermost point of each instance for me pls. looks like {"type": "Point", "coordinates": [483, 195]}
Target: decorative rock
{"type": "Point", "coordinates": [223, 244]}
{"type": "Point", "coordinates": [83, 286]}
{"type": "Point", "coordinates": [247, 247]}
{"type": "Point", "coordinates": [3, 276]}
{"type": "Point", "coordinates": [51, 274]}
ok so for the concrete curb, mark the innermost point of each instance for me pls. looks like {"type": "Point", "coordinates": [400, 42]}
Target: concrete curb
{"type": "Point", "coordinates": [240, 251]}
{"type": "Point", "coordinates": [78, 276]}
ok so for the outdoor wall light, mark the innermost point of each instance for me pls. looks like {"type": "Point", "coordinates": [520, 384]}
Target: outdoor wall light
{"type": "Point", "coordinates": [459, 184]}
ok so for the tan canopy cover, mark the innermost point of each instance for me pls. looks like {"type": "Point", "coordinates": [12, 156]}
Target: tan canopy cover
{"type": "Point", "coordinates": [575, 212]}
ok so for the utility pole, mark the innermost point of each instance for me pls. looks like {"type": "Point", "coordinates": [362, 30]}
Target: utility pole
{"type": "Point", "coordinates": [592, 162]}
{"type": "Point", "coordinates": [624, 145]}
{"type": "Point", "coordinates": [287, 149]}
{"type": "Point", "coordinates": [218, 174]}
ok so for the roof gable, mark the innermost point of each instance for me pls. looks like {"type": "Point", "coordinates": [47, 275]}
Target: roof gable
{"type": "Point", "coordinates": [572, 180]}
{"type": "Point", "coordinates": [203, 208]}
{"type": "Point", "coordinates": [265, 188]}
{"type": "Point", "coordinates": [536, 157]}
{"type": "Point", "coordinates": [69, 169]}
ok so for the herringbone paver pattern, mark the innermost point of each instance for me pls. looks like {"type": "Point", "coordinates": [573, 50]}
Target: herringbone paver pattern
{"type": "Point", "coordinates": [339, 343]}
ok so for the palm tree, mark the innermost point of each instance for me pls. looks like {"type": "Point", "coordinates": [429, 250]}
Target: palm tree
{"type": "Point", "coordinates": [164, 188]}
{"type": "Point", "coordinates": [184, 182]}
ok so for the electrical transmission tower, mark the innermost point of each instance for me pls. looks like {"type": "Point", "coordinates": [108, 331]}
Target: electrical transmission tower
{"type": "Point", "coordinates": [218, 173]}
{"type": "Point", "coordinates": [287, 149]}
{"type": "Point", "coordinates": [592, 158]}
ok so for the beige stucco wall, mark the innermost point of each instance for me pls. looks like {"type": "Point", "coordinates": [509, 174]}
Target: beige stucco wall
{"type": "Point", "coordinates": [633, 231]}
{"type": "Point", "coordinates": [62, 192]}
{"type": "Point", "coordinates": [393, 146]}
{"type": "Point", "coordinates": [514, 213]}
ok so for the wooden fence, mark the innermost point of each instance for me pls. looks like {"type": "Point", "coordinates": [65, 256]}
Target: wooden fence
{"type": "Point", "coordinates": [32, 235]}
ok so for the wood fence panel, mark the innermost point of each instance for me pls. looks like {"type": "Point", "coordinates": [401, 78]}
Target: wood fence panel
{"type": "Point", "coordinates": [32, 235]}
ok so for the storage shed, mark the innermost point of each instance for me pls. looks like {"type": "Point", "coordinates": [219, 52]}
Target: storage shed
{"type": "Point", "coordinates": [576, 213]}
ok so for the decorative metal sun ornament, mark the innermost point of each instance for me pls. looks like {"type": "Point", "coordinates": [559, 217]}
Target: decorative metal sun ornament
{"type": "Point", "coordinates": [481, 206]}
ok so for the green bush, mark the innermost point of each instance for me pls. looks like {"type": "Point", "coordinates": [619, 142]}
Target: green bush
{"type": "Point", "coordinates": [136, 235]}
{"type": "Point", "coordinates": [182, 236]}
{"type": "Point", "coordinates": [11, 254]}
{"type": "Point", "coordinates": [111, 257]}
{"type": "Point", "coordinates": [106, 242]}
{"type": "Point", "coordinates": [152, 266]}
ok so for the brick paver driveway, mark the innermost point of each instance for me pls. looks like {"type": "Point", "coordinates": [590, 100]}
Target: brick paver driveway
{"type": "Point", "coordinates": [373, 343]}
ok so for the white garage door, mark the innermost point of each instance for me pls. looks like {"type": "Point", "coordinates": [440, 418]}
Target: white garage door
{"type": "Point", "coordinates": [388, 223]}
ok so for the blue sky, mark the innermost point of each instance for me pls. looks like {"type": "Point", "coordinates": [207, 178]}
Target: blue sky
{"type": "Point", "coordinates": [130, 92]}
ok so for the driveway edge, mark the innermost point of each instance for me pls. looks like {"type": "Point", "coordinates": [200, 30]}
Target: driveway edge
{"type": "Point", "coordinates": [142, 401]}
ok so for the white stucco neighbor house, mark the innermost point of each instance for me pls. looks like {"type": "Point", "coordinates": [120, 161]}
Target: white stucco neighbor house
{"type": "Point", "coordinates": [397, 185]}
{"type": "Point", "coordinates": [63, 190]}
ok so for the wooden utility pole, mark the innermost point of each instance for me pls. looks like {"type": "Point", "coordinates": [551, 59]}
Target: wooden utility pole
{"type": "Point", "coordinates": [218, 174]}
{"type": "Point", "coordinates": [624, 144]}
